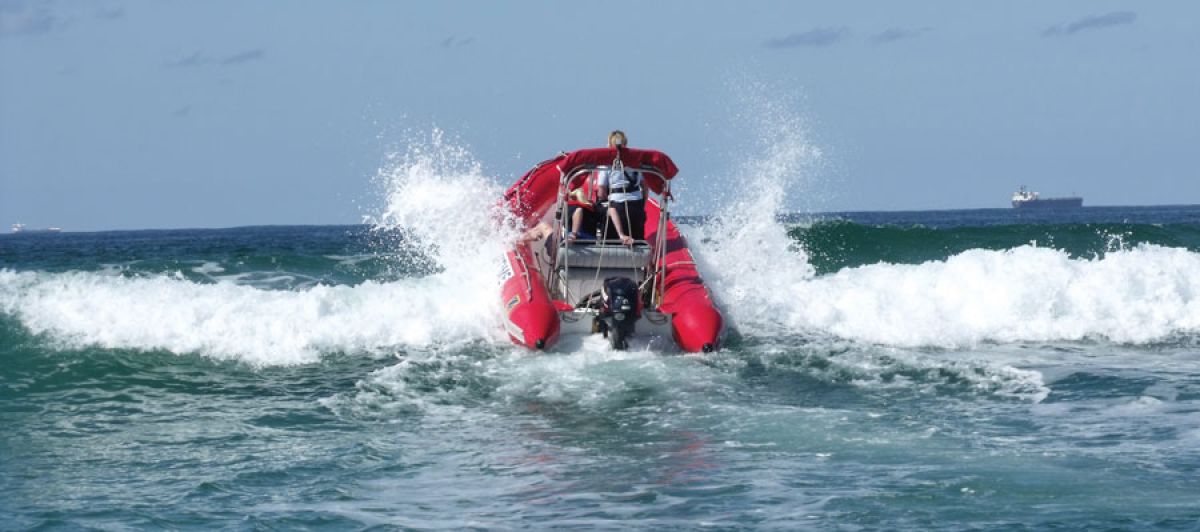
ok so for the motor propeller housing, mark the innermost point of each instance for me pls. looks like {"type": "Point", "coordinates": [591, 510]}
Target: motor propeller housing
{"type": "Point", "coordinates": [620, 311]}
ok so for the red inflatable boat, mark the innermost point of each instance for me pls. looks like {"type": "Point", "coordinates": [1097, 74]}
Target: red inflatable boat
{"type": "Point", "coordinates": [552, 285]}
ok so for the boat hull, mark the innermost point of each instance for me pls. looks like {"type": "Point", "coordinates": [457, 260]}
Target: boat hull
{"type": "Point", "coordinates": [1048, 203]}
{"type": "Point", "coordinates": [530, 317]}
{"type": "Point", "coordinates": [696, 323]}
{"type": "Point", "coordinates": [685, 310]}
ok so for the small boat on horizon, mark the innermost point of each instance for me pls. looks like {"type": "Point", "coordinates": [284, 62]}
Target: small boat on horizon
{"type": "Point", "coordinates": [1025, 199]}
{"type": "Point", "coordinates": [21, 228]}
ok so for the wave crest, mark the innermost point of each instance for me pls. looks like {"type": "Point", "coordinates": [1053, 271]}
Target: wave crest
{"type": "Point", "coordinates": [1025, 294]}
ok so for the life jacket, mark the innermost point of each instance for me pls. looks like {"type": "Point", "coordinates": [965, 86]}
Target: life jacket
{"type": "Point", "coordinates": [586, 194]}
{"type": "Point", "coordinates": [633, 183]}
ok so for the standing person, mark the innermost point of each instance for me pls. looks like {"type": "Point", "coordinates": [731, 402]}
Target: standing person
{"type": "Point", "coordinates": [626, 204]}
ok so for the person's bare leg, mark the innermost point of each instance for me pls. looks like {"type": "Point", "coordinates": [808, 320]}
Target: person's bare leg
{"type": "Point", "coordinates": [577, 220]}
{"type": "Point", "coordinates": [619, 226]}
{"type": "Point", "coordinates": [576, 223]}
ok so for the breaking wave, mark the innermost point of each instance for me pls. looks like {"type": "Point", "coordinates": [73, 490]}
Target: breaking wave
{"type": "Point", "coordinates": [1128, 291]}
{"type": "Point", "coordinates": [439, 208]}
{"type": "Point", "coordinates": [230, 321]}
{"type": "Point", "coordinates": [439, 219]}
{"type": "Point", "coordinates": [1145, 294]}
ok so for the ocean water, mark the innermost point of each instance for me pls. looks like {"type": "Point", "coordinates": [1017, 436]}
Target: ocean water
{"type": "Point", "coordinates": [986, 369]}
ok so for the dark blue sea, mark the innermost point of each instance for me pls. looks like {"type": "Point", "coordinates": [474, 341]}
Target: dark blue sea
{"type": "Point", "coordinates": [951, 370]}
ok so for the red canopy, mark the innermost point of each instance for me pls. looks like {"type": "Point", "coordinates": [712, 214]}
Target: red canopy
{"type": "Point", "coordinates": [536, 191]}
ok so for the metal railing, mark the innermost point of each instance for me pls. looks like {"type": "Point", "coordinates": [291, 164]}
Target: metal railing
{"type": "Point", "coordinates": [574, 180]}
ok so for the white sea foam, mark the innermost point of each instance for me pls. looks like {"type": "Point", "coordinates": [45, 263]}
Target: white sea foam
{"type": "Point", "coordinates": [208, 268]}
{"type": "Point", "coordinates": [593, 376]}
{"type": "Point", "coordinates": [588, 375]}
{"type": "Point", "coordinates": [1136, 296]}
{"type": "Point", "coordinates": [744, 245]}
{"type": "Point", "coordinates": [981, 376]}
{"type": "Point", "coordinates": [1026, 294]}
{"type": "Point", "coordinates": [229, 321]}
{"type": "Point", "coordinates": [439, 197]}
{"type": "Point", "coordinates": [435, 195]}
{"type": "Point", "coordinates": [766, 285]}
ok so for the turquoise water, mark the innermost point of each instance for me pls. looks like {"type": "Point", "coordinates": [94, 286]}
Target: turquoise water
{"type": "Point", "coordinates": [919, 371]}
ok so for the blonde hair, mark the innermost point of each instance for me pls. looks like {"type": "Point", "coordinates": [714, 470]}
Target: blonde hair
{"type": "Point", "coordinates": [617, 138]}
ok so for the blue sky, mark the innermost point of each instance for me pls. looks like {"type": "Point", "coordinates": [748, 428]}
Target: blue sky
{"type": "Point", "coordinates": [137, 114]}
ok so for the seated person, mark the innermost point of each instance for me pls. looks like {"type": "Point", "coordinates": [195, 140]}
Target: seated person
{"type": "Point", "coordinates": [582, 206]}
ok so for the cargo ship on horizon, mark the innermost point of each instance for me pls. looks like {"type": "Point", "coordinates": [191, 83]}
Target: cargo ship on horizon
{"type": "Point", "coordinates": [20, 228]}
{"type": "Point", "coordinates": [1026, 199]}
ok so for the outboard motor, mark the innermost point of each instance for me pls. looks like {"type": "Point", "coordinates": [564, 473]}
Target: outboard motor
{"type": "Point", "coordinates": [620, 310]}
